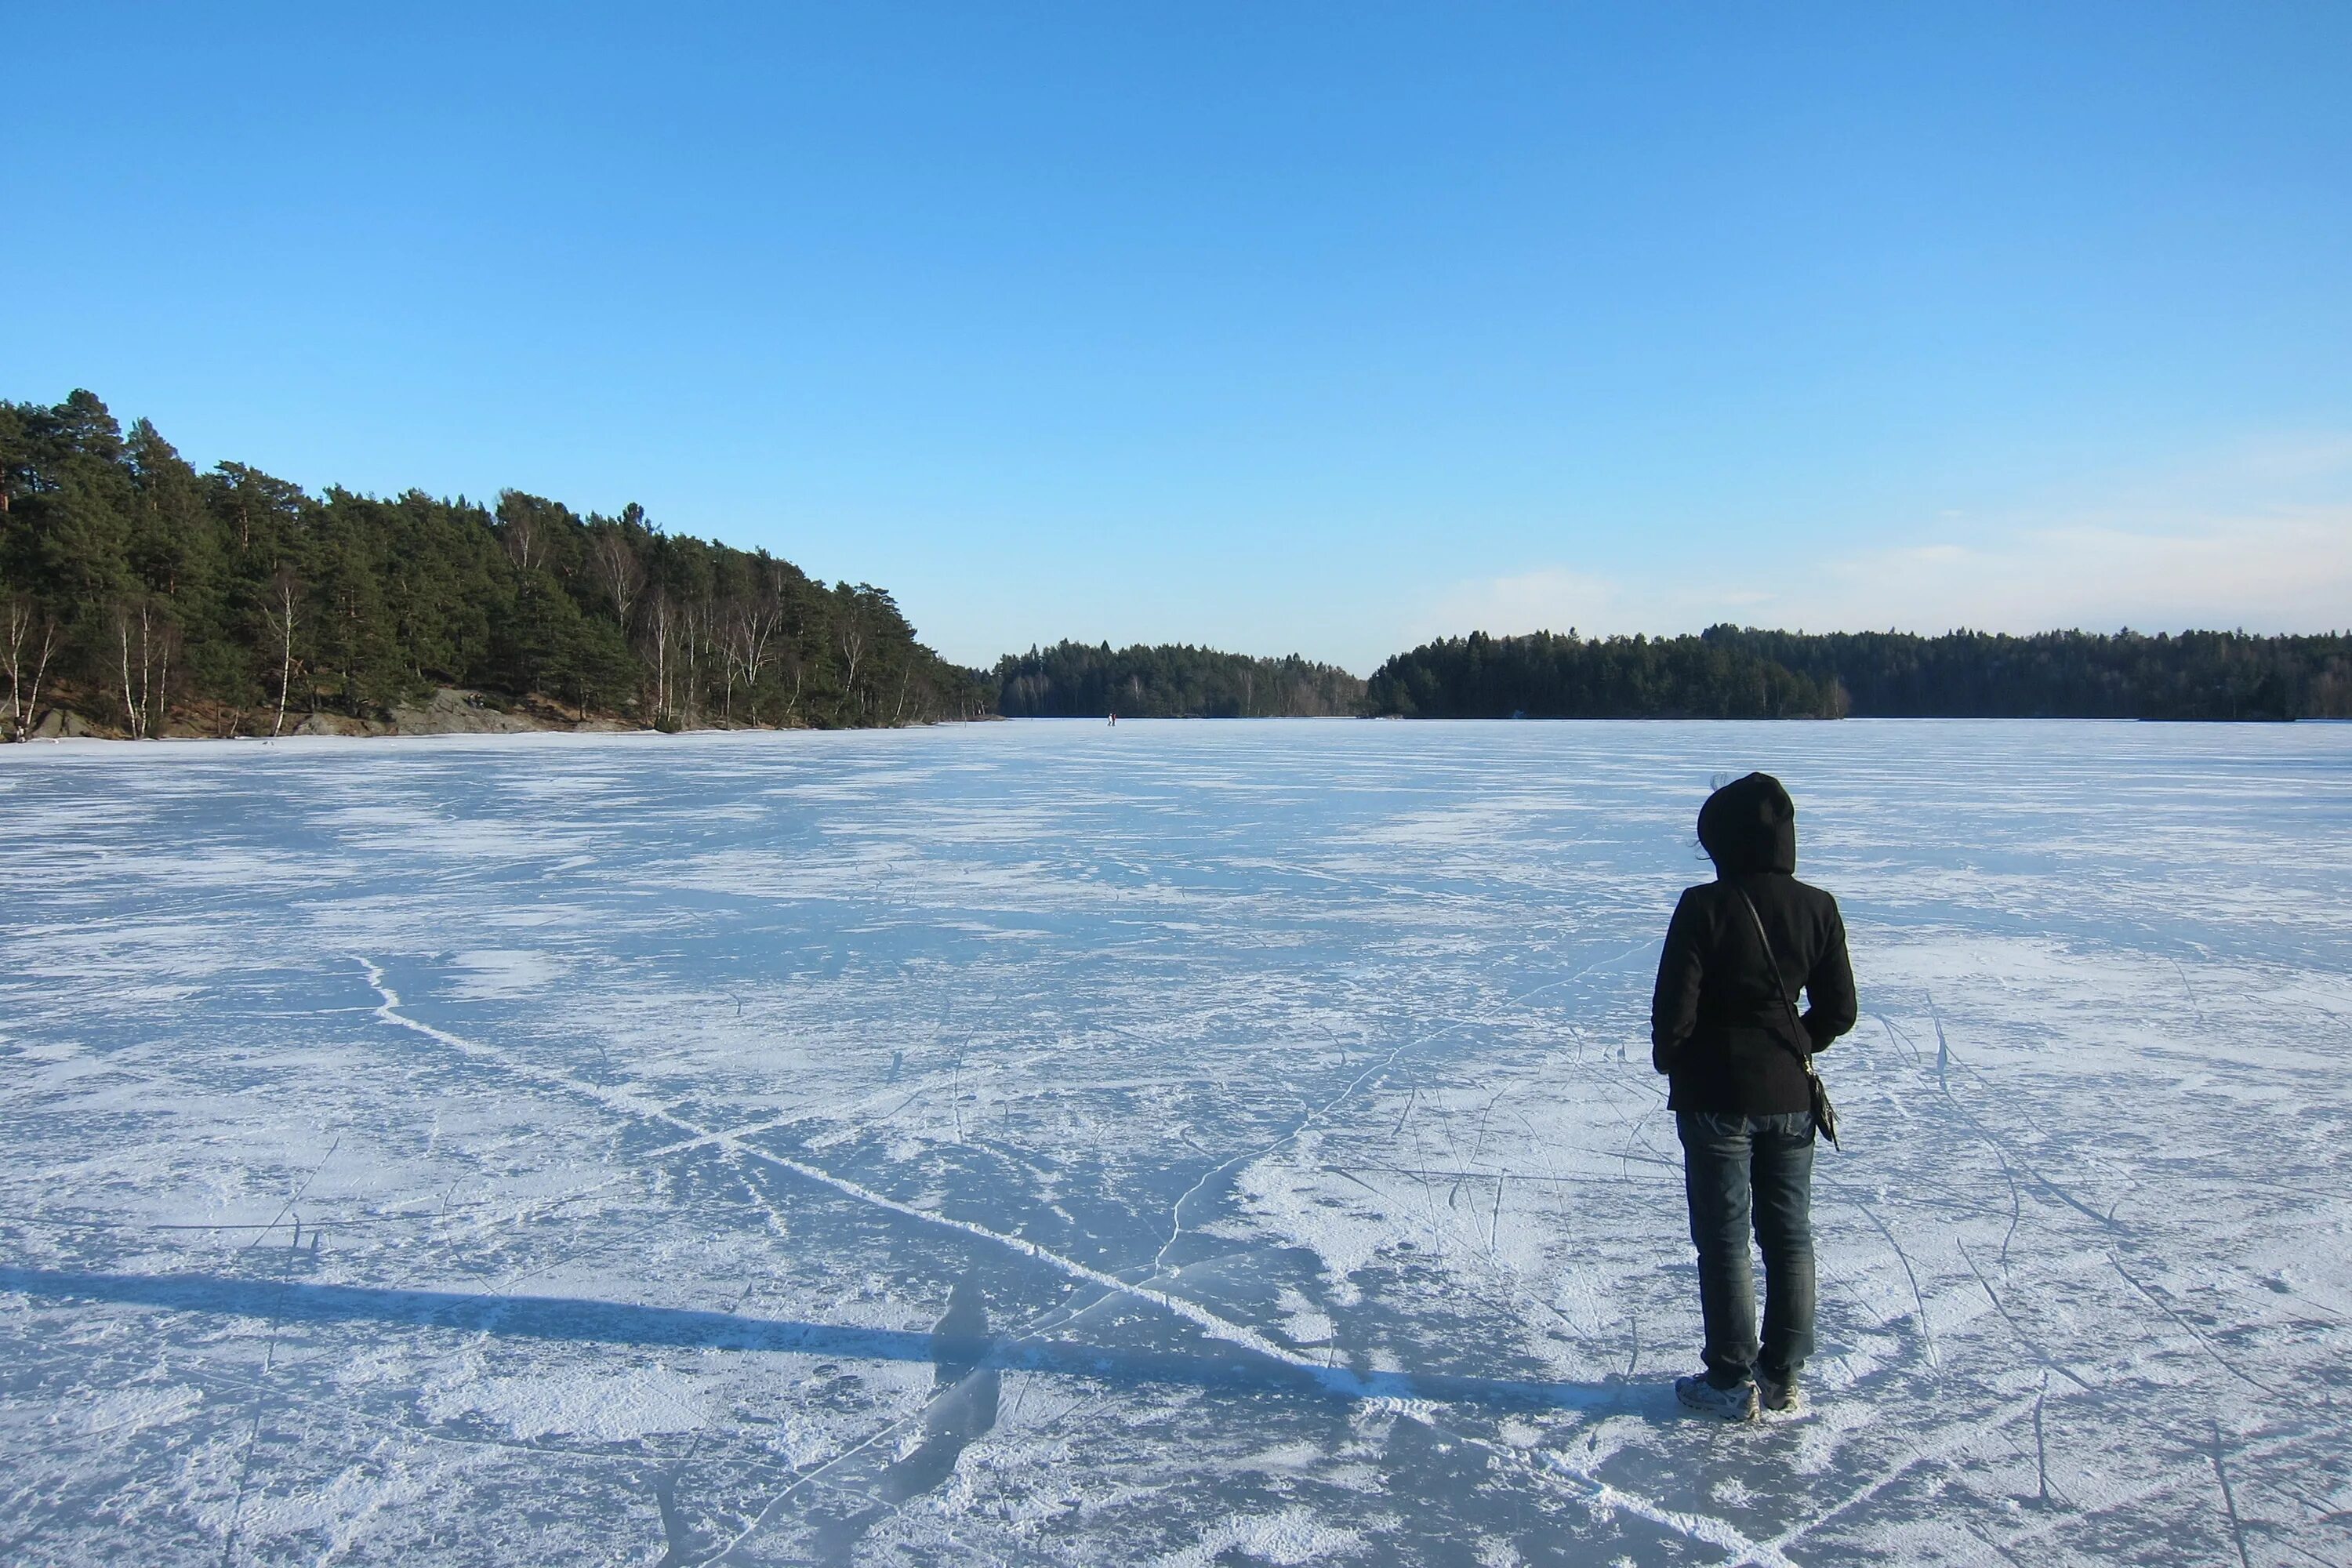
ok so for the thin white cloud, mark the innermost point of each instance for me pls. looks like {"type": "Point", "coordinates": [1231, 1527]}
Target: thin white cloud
{"type": "Point", "coordinates": [1550, 598]}
{"type": "Point", "coordinates": [2283, 571]}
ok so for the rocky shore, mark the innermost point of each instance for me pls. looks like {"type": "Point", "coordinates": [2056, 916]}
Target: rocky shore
{"type": "Point", "coordinates": [451, 710]}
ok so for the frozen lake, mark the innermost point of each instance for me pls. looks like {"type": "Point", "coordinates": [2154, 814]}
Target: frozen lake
{"type": "Point", "coordinates": [1183, 1143]}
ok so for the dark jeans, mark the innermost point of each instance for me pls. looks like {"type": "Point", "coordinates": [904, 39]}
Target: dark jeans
{"type": "Point", "coordinates": [1725, 1159]}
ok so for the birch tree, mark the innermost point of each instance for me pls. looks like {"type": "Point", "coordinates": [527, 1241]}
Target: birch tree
{"type": "Point", "coordinates": [692, 650]}
{"type": "Point", "coordinates": [144, 640]}
{"type": "Point", "coordinates": [852, 636]}
{"type": "Point", "coordinates": [619, 570]}
{"type": "Point", "coordinates": [23, 619]}
{"type": "Point", "coordinates": [285, 590]}
{"type": "Point", "coordinates": [751, 638]}
{"type": "Point", "coordinates": [660, 620]}
{"type": "Point", "coordinates": [523, 545]}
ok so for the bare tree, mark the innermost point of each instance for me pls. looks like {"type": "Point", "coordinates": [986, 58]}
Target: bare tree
{"type": "Point", "coordinates": [788, 656]}
{"type": "Point", "coordinates": [144, 640]}
{"type": "Point", "coordinates": [22, 619]}
{"type": "Point", "coordinates": [527, 524]}
{"type": "Point", "coordinates": [167, 643]}
{"type": "Point", "coordinates": [714, 637]}
{"type": "Point", "coordinates": [693, 648]}
{"type": "Point", "coordinates": [852, 634]}
{"type": "Point", "coordinates": [661, 622]}
{"type": "Point", "coordinates": [752, 639]}
{"type": "Point", "coordinates": [284, 588]}
{"type": "Point", "coordinates": [730, 668]}
{"type": "Point", "coordinates": [623, 575]}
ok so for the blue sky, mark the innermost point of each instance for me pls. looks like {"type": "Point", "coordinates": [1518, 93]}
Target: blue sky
{"type": "Point", "coordinates": [1270, 326]}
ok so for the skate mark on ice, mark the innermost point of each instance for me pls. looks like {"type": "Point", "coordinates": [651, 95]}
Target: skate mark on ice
{"type": "Point", "coordinates": [1919, 1300]}
{"type": "Point", "coordinates": [2200, 1474]}
{"type": "Point", "coordinates": [2041, 1179]}
{"type": "Point", "coordinates": [2024, 1336]}
{"type": "Point", "coordinates": [1954, 1440]}
{"type": "Point", "coordinates": [2041, 1444]}
{"type": "Point", "coordinates": [1371, 1071]}
{"type": "Point", "coordinates": [1553, 1470]}
{"type": "Point", "coordinates": [270, 1351]}
{"type": "Point", "coordinates": [1703, 1528]}
{"type": "Point", "coordinates": [2016, 1204]}
{"type": "Point", "coordinates": [628, 1104]}
{"type": "Point", "coordinates": [2001, 1152]}
{"type": "Point", "coordinates": [2204, 1343]}
{"type": "Point", "coordinates": [2190, 992]}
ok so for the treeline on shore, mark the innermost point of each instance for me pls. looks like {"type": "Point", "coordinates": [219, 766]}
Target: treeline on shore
{"type": "Point", "coordinates": [1071, 680]}
{"type": "Point", "coordinates": [1732, 672]}
{"type": "Point", "coordinates": [142, 596]}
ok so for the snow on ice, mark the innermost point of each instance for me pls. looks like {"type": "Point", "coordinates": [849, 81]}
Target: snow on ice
{"type": "Point", "coordinates": [1183, 1143]}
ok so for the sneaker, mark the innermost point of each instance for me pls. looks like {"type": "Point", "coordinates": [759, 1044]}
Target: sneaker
{"type": "Point", "coordinates": [1727, 1404]}
{"type": "Point", "coordinates": [1777, 1395]}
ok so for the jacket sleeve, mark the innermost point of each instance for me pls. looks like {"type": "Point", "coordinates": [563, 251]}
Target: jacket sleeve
{"type": "Point", "coordinates": [1830, 1003]}
{"type": "Point", "coordinates": [1674, 1001]}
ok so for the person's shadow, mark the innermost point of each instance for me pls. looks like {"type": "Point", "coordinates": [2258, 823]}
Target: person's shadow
{"type": "Point", "coordinates": [959, 1346]}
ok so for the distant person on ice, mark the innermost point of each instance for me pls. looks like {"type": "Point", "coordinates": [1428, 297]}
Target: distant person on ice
{"type": "Point", "coordinates": [1724, 1028]}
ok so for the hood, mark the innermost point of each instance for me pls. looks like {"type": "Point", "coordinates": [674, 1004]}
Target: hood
{"type": "Point", "coordinates": [1749, 824]}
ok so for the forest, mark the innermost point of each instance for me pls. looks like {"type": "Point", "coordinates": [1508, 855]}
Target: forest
{"type": "Point", "coordinates": [140, 598]}
{"type": "Point", "coordinates": [1732, 672]}
{"type": "Point", "coordinates": [1175, 681]}
{"type": "Point", "coordinates": [146, 598]}
{"type": "Point", "coordinates": [1549, 676]}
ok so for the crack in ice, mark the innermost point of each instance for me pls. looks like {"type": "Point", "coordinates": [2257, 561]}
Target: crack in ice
{"type": "Point", "coordinates": [1210, 1324]}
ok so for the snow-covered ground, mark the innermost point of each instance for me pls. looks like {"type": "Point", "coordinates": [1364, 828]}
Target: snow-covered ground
{"type": "Point", "coordinates": [1183, 1143]}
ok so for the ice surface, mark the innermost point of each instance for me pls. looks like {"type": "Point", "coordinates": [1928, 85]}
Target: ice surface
{"type": "Point", "coordinates": [1183, 1143]}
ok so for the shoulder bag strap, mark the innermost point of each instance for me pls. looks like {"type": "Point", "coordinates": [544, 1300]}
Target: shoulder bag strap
{"type": "Point", "coordinates": [1779, 987]}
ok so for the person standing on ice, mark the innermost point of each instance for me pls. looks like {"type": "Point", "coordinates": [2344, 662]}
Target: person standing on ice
{"type": "Point", "coordinates": [1725, 1030]}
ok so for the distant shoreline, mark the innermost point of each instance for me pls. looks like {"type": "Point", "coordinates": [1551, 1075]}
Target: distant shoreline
{"type": "Point", "coordinates": [88, 738]}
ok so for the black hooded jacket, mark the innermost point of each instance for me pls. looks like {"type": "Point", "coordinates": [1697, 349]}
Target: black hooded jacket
{"type": "Point", "coordinates": [1717, 1026]}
